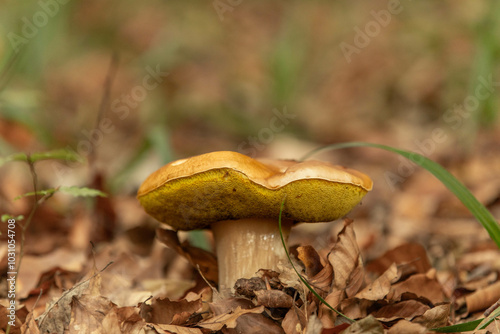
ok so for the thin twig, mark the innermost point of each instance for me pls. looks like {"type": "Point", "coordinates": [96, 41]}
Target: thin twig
{"type": "Point", "coordinates": [108, 82]}
{"type": "Point", "coordinates": [30, 315]}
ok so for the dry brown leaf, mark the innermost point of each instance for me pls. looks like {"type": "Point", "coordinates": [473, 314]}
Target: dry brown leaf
{"type": "Point", "coordinates": [326, 315]}
{"type": "Point", "coordinates": [57, 316]}
{"type": "Point", "coordinates": [123, 320]}
{"type": "Point", "coordinates": [322, 281]}
{"type": "Point", "coordinates": [30, 326]}
{"type": "Point", "coordinates": [254, 323]}
{"type": "Point", "coordinates": [34, 266]}
{"type": "Point", "coordinates": [172, 329]}
{"type": "Point", "coordinates": [228, 319]}
{"type": "Point", "coordinates": [294, 322]}
{"type": "Point", "coordinates": [484, 298]}
{"type": "Point", "coordinates": [435, 317]}
{"type": "Point", "coordinates": [481, 282]}
{"type": "Point", "coordinates": [411, 254]}
{"type": "Point", "coordinates": [368, 325]}
{"type": "Point", "coordinates": [471, 260]}
{"type": "Point", "coordinates": [406, 327]}
{"type": "Point", "coordinates": [420, 285]}
{"type": "Point", "coordinates": [346, 261]}
{"type": "Point", "coordinates": [407, 309]}
{"type": "Point", "coordinates": [206, 261]}
{"type": "Point", "coordinates": [355, 308]}
{"type": "Point", "coordinates": [88, 312]}
{"type": "Point", "coordinates": [274, 299]}
{"type": "Point", "coordinates": [311, 260]}
{"type": "Point", "coordinates": [165, 311]}
{"type": "Point", "coordinates": [379, 288]}
{"type": "Point", "coordinates": [20, 317]}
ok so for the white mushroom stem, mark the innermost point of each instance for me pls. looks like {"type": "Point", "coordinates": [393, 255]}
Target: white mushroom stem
{"type": "Point", "coordinates": [246, 245]}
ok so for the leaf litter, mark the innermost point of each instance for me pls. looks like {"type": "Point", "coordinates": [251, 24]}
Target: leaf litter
{"type": "Point", "coordinates": [150, 288]}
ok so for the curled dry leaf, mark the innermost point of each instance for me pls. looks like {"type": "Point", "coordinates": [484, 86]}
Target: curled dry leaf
{"type": "Point", "coordinates": [228, 319]}
{"type": "Point", "coordinates": [29, 326]}
{"type": "Point", "coordinates": [311, 260]}
{"type": "Point", "coordinates": [294, 322]}
{"type": "Point", "coordinates": [407, 327]}
{"type": "Point", "coordinates": [346, 261]}
{"type": "Point", "coordinates": [322, 281]}
{"type": "Point", "coordinates": [421, 285]}
{"type": "Point", "coordinates": [368, 325]}
{"type": "Point", "coordinates": [412, 255]}
{"type": "Point", "coordinates": [407, 309]}
{"type": "Point", "coordinates": [379, 288]}
{"type": "Point", "coordinates": [123, 320]}
{"type": "Point", "coordinates": [173, 329]}
{"type": "Point", "coordinates": [165, 311]}
{"type": "Point", "coordinates": [274, 299]}
{"type": "Point", "coordinates": [484, 298]}
{"type": "Point", "coordinates": [435, 317]}
{"type": "Point", "coordinates": [198, 257]}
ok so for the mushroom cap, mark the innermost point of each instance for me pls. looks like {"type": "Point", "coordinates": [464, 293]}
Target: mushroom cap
{"type": "Point", "coordinates": [192, 193]}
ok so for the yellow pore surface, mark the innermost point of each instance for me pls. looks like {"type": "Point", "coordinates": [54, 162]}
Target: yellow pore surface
{"type": "Point", "coordinates": [225, 193]}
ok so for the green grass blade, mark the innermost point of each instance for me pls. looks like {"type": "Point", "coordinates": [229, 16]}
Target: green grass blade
{"type": "Point", "coordinates": [463, 194]}
{"type": "Point", "coordinates": [299, 275]}
{"type": "Point", "coordinates": [465, 327]}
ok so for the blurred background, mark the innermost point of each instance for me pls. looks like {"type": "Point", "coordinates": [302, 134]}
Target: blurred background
{"type": "Point", "coordinates": [130, 86]}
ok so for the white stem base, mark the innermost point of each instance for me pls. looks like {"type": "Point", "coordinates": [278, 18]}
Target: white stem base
{"type": "Point", "coordinates": [244, 246]}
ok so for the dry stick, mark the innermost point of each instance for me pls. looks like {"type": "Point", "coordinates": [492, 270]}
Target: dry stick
{"type": "Point", "coordinates": [208, 283]}
{"type": "Point", "coordinates": [68, 291]}
{"type": "Point", "coordinates": [108, 81]}
{"type": "Point", "coordinates": [30, 315]}
{"type": "Point", "coordinates": [36, 204]}
{"type": "Point", "coordinates": [492, 308]}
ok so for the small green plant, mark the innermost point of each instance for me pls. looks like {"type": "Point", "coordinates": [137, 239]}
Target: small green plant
{"type": "Point", "coordinates": [40, 196]}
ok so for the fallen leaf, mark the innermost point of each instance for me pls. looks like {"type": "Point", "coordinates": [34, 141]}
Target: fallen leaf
{"type": "Point", "coordinates": [123, 320]}
{"type": "Point", "coordinates": [484, 298]}
{"type": "Point", "coordinates": [407, 327]}
{"type": "Point", "coordinates": [198, 257]}
{"type": "Point", "coordinates": [412, 255]}
{"type": "Point", "coordinates": [311, 260]}
{"type": "Point", "coordinates": [322, 281]}
{"type": "Point", "coordinates": [30, 326]}
{"type": "Point", "coordinates": [346, 261]}
{"type": "Point", "coordinates": [407, 309]}
{"type": "Point", "coordinates": [88, 312]}
{"type": "Point", "coordinates": [274, 299]}
{"type": "Point", "coordinates": [368, 325]}
{"type": "Point", "coordinates": [228, 319]}
{"type": "Point", "coordinates": [420, 285]}
{"type": "Point", "coordinates": [435, 317]}
{"type": "Point", "coordinates": [172, 329]}
{"type": "Point", "coordinates": [294, 321]}
{"type": "Point", "coordinates": [379, 288]}
{"type": "Point", "coordinates": [165, 311]}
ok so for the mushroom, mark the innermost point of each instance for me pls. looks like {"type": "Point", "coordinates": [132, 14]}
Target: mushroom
{"type": "Point", "coordinates": [240, 198]}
